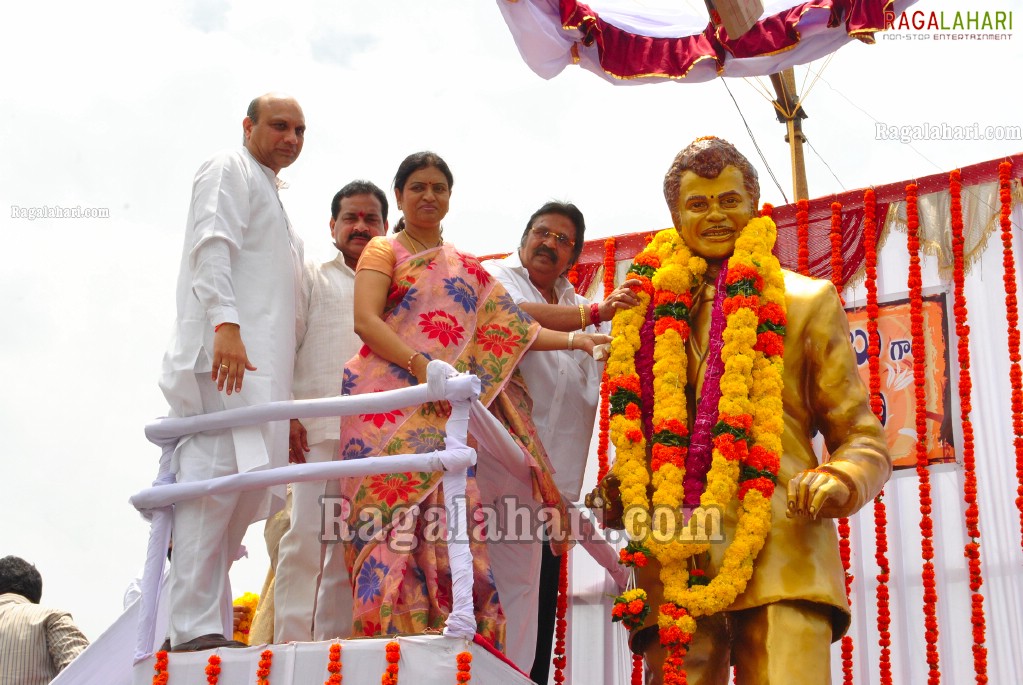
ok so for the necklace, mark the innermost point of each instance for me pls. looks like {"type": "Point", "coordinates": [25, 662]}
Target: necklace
{"type": "Point", "coordinates": [421, 244]}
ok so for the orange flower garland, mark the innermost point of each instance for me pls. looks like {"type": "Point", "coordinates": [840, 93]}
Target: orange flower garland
{"type": "Point", "coordinates": [747, 436]}
{"type": "Point", "coordinates": [837, 263]}
{"type": "Point", "coordinates": [334, 665]}
{"type": "Point", "coordinates": [877, 406]}
{"type": "Point", "coordinates": [803, 236]}
{"type": "Point", "coordinates": [213, 669]}
{"type": "Point", "coordinates": [605, 418]}
{"type": "Point", "coordinates": [160, 677]}
{"type": "Point", "coordinates": [265, 664]}
{"type": "Point", "coordinates": [637, 670]}
{"type": "Point", "coordinates": [837, 266]}
{"type": "Point", "coordinates": [390, 676]}
{"type": "Point", "coordinates": [916, 319]}
{"type": "Point", "coordinates": [464, 662]}
{"type": "Point", "coordinates": [972, 550]}
{"type": "Point", "coordinates": [1012, 320]}
{"type": "Point", "coordinates": [561, 627]}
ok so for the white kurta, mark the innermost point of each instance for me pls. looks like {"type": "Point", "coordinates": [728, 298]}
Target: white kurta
{"type": "Point", "coordinates": [565, 388]}
{"type": "Point", "coordinates": [327, 339]}
{"type": "Point", "coordinates": [241, 263]}
{"type": "Point", "coordinates": [308, 575]}
{"type": "Point", "coordinates": [564, 385]}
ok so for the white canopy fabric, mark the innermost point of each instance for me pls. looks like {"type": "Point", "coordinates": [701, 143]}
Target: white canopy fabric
{"type": "Point", "coordinates": [642, 41]}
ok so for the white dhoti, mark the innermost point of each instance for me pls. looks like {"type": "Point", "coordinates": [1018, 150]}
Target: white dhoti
{"type": "Point", "coordinates": [312, 588]}
{"type": "Point", "coordinates": [208, 531]}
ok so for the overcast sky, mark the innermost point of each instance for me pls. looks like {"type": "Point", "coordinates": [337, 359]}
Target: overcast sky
{"type": "Point", "coordinates": [115, 104]}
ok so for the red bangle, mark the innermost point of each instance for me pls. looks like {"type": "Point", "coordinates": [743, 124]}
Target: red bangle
{"type": "Point", "coordinates": [595, 314]}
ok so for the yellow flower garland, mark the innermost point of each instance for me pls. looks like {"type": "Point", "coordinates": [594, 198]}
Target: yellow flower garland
{"type": "Point", "coordinates": [751, 388]}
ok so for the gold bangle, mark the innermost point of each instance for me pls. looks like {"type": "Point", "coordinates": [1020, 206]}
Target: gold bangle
{"type": "Point", "coordinates": [408, 364]}
{"type": "Point", "coordinates": [582, 317]}
{"type": "Point", "coordinates": [571, 340]}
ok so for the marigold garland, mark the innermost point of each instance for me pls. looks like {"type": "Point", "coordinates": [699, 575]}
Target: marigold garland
{"type": "Point", "coordinates": [637, 670]}
{"type": "Point", "coordinates": [837, 266]}
{"type": "Point", "coordinates": [561, 625]}
{"type": "Point", "coordinates": [1012, 321]}
{"type": "Point", "coordinates": [972, 549]}
{"type": "Point", "coordinates": [213, 669]}
{"type": "Point", "coordinates": [334, 665]}
{"type": "Point", "coordinates": [747, 436]}
{"type": "Point", "coordinates": [837, 261]}
{"type": "Point", "coordinates": [602, 437]}
{"type": "Point", "coordinates": [265, 664]}
{"type": "Point", "coordinates": [877, 406]}
{"type": "Point", "coordinates": [249, 600]}
{"type": "Point", "coordinates": [160, 666]}
{"type": "Point", "coordinates": [390, 676]}
{"type": "Point", "coordinates": [916, 319]}
{"type": "Point", "coordinates": [463, 660]}
{"type": "Point", "coordinates": [803, 236]}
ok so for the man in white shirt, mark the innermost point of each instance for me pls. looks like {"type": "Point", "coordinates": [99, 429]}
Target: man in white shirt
{"type": "Point", "coordinates": [233, 345]}
{"type": "Point", "coordinates": [565, 388]}
{"type": "Point", "coordinates": [311, 575]}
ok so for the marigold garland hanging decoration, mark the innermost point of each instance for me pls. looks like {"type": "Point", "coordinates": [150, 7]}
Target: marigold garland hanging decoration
{"type": "Point", "coordinates": [265, 664]}
{"type": "Point", "coordinates": [602, 436]}
{"type": "Point", "coordinates": [393, 654]}
{"type": "Point", "coordinates": [803, 236]}
{"type": "Point", "coordinates": [160, 666]}
{"type": "Point", "coordinates": [1012, 322]}
{"type": "Point", "coordinates": [972, 549]}
{"type": "Point", "coordinates": [877, 406]}
{"type": "Point", "coordinates": [561, 624]}
{"type": "Point", "coordinates": [463, 661]}
{"type": "Point", "coordinates": [746, 436]}
{"type": "Point", "coordinates": [637, 670]}
{"type": "Point", "coordinates": [334, 665]}
{"type": "Point", "coordinates": [213, 669]}
{"type": "Point", "coordinates": [837, 266]}
{"type": "Point", "coordinates": [916, 319]}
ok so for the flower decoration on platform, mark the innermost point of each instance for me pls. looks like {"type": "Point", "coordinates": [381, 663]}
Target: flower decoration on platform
{"type": "Point", "coordinates": [393, 652]}
{"type": "Point", "coordinates": [334, 665]}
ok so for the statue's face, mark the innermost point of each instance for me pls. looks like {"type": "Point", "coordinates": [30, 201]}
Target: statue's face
{"type": "Point", "coordinates": [712, 212]}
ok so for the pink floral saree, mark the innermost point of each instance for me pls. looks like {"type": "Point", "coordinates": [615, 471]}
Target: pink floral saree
{"type": "Point", "coordinates": [445, 305]}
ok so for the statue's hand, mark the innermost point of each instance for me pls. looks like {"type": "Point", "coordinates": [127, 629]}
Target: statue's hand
{"type": "Point", "coordinates": [606, 500]}
{"type": "Point", "coordinates": [816, 493]}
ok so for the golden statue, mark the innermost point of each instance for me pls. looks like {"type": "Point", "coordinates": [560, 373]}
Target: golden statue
{"type": "Point", "coordinates": [764, 589]}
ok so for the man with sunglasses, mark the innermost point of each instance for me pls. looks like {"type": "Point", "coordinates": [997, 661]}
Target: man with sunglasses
{"type": "Point", "coordinates": [565, 387]}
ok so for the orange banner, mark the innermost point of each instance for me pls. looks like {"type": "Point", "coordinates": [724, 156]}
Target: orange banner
{"type": "Point", "coordinates": [899, 400]}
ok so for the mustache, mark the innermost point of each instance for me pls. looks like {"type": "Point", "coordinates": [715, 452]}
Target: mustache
{"type": "Point", "coordinates": [544, 250]}
{"type": "Point", "coordinates": [360, 234]}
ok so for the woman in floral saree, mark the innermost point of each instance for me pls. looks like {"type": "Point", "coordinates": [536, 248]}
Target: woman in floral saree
{"type": "Point", "coordinates": [416, 299]}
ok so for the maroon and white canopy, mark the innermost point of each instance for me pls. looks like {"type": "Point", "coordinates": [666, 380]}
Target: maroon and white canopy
{"type": "Point", "coordinates": [637, 41]}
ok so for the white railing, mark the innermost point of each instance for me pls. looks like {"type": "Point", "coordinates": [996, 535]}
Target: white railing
{"type": "Point", "coordinates": [444, 383]}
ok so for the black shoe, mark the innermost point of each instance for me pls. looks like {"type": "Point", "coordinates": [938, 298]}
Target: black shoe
{"type": "Point", "coordinates": [204, 642]}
